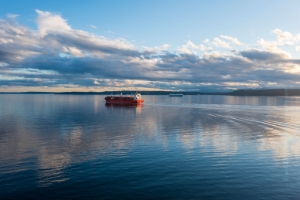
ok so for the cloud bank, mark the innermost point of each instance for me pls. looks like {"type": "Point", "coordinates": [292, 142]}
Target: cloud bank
{"type": "Point", "coordinates": [58, 56]}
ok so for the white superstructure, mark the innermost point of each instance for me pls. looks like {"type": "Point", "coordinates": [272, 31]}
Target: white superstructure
{"type": "Point", "coordinates": [137, 96]}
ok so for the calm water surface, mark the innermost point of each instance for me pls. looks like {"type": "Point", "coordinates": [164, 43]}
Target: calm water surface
{"type": "Point", "coordinates": [194, 147]}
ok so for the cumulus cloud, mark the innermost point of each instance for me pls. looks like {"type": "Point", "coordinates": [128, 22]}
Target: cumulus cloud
{"type": "Point", "coordinates": [161, 48]}
{"type": "Point", "coordinates": [57, 55]}
{"type": "Point", "coordinates": [270, 46]}
{"type": "Point", "coordinates": [48, 22]}
{"type": "Point", "coordinates": [284, 35]}
{"type": "Point", "coordinates": [231, 39]}
{"type": "Point", "coordinates": [190, 47]}
{"type": "Point", "coordinates": [220, 43]}
{"type": "Point", "coordinates": [284, 38]}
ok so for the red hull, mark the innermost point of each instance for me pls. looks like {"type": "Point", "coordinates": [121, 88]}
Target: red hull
{"type": "Point", "coordinates": [123, 100]}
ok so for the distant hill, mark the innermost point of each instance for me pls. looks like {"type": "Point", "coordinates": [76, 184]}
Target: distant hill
{"type": "Point", "coordinates": [266, 92]}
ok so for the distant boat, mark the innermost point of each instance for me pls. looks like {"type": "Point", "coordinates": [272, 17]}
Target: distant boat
{"type": "Point", "coordinates": [175, 95]}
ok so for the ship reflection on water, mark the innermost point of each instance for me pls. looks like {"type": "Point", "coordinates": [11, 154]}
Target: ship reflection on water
{"type": "Point", "coordinates": [136, 107]}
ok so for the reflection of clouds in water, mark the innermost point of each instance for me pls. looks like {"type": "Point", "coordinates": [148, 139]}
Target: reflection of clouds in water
{"type": "Point", "coordinates": [75, 136]}
{"type": "Point", "coordinates": [188, 139]}
{"type": "Point", "coordinates": [14, 141]}
{"type": "Point", "coordinates": [97, 139]}
{"type": "Point", "coordinates": [58, 143]}
{"type": "Point", "coordinates": [287, 129]}
{"type": "Point", "coordinates": [284, 147]}
{"type": "Point", "coordinates": [74, 129]}
{"type": "Point", "coordinates": [98, 100]}
{"type": "Point", "coordinates": [220, 140]}
{"type": "Point", "coordinates": [51, 165]}
{"type": "Point", "coordinates": [287, 142]}
{"type": "Point", "coordinates": [226, 128]}
{"type": "Point", "coordinates": [272, 129]}
{"type": "Point", "coordinates": [215, 137]}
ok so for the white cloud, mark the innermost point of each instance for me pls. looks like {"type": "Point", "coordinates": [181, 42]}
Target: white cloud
{"type": "Point", "coordinates": [47, 21]}
{"type": "Point", "coordinates": [231, 39]}
{"type": "Point", "coordinates": [94, 27]}
{"type": "Point", "coordinates": [12, 16]}
{"type": "Point", "coordinates": [269, 45]}
{"type": "Point", "coordinates": [272, 46]}
{"type": "Point", "coordinates": [283, 35]}
{"type": "Point", "coordinates": [161, 48]}
{"type": "Point", "coordinates": [203, 48]}
{"type": "Point", "coordinates": [220, 43]}
{"type": "Point", "coordinates": [190, 47]}
{"type": "Point", "coordinates": [286, 38]}
{"type": "Point", "coordinates": [184, 49]}
{"type": "Point", "coordinates": [96, 82]}
{"type": "Point", "coordinates": [73, 51]}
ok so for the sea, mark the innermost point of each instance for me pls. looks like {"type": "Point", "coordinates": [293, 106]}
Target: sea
{"type": "Point", "coordinates": [55, 146]}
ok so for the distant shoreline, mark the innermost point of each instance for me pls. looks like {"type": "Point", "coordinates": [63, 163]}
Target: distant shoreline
{"type": "Point", "coordinates": [266, 92]}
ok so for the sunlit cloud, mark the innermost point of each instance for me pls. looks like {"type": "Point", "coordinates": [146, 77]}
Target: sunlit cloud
{"type": "Point", "coordinates": [71, 58]}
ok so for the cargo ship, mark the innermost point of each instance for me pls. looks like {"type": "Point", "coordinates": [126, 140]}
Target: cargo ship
{"type": "Point", "coordinates": [132, 99]}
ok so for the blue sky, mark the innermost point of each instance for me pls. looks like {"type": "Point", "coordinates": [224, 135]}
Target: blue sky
{"type": "Point", "coordinates": [152, 45]}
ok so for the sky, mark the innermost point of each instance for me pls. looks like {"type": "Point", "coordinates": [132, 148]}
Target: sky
{"type": "Point", "coordinates": [185, 45]}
